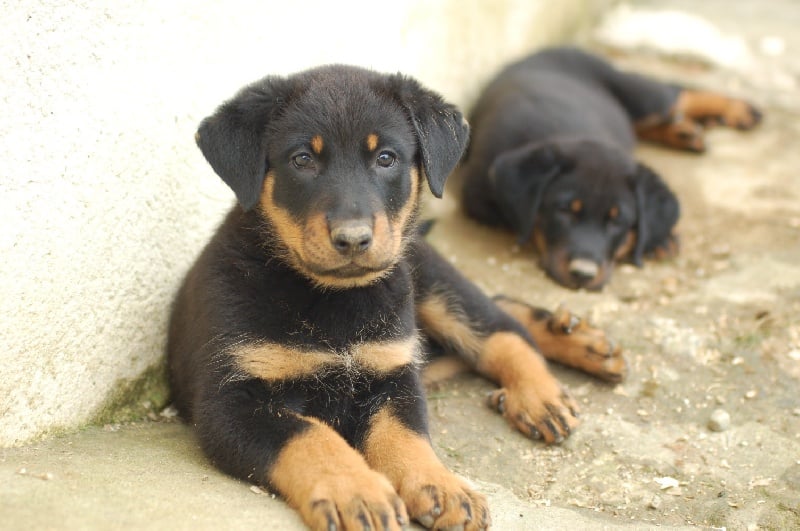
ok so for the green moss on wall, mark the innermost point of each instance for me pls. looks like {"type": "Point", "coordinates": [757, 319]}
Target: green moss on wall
{"type": "Point", "coordinates": [137, 398]}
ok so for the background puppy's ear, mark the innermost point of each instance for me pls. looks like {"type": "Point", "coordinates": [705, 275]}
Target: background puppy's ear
{"type": "Point", "coordinates": [232, 139]}
{"type": "Point", "coordinates": [519, 178]}
{"type": "Point", "coordinates": [657, 211]}
{"type": "Point", "coordinates": [442, 132]}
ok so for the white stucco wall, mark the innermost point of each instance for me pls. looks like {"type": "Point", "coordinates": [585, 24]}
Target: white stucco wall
{"type": "Point", "coordinates": [105, 200]}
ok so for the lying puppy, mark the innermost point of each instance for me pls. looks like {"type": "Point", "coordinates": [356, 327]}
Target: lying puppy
{"type": "Point", "coordinates": [551, 159]}
{"type": "Point", "coordinates": [294, 342]}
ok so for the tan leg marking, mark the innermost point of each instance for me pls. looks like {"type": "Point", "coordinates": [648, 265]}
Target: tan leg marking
{"type": "Point", "coordinates": [434, 496]}
{"type": "Point", "coordinates": [679, 132]}
{"type": "Point", "coordinates": [530, 398]}
{"type": "Point", "coordinates": [566, 339]}
{"type": "Point", "coordinates": [442, 369]}
{"type": "Point", "coordinates": [710, 108]}
{"type": "Point", "coordinates": [449, 327]}
{"type": "Point", "coordinates": [331, 485]}
{"type": "Point", "coordinates": [683, 127]}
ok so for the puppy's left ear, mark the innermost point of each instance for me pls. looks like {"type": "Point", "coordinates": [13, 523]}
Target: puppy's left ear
{"type": "Point", "coordinates": [657, 211]}
{"type": "Point", "coordinates": [442, 132]}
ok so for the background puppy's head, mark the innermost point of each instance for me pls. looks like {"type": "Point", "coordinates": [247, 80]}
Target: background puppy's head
{"type": "Point", "coordinates": [585, 204]}
{"type": "Point", "coordinates": [333, 159]}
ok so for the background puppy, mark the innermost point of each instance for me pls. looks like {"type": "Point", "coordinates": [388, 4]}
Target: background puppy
{"type": "Point", "coordinates": [551, 159]}
{"type": "Point", "coordinates": [294, 344]}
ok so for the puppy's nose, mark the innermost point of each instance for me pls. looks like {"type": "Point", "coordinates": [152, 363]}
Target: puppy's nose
{"type": "Point", "coordinates": [351, 237]}
{"type": "Point", "coordinates": [583, 270]}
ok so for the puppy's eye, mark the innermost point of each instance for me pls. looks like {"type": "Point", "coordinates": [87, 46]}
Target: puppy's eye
{"type": "Point", "coordinates": [613, 216]}
{"type": "Point", "coordinates": [386, 159]}
{"type": "Point", "coordinates": [303, 161]}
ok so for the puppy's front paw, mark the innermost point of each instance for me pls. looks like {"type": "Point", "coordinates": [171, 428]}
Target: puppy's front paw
{"type": "Point", "coordinates": [590, 349]}
{"type": "Point", "coordinates": [539, 410]}
{"type": "Point", "coordinates": [442, 501]}
{"type": "Point", "coordinates": [361, 500]}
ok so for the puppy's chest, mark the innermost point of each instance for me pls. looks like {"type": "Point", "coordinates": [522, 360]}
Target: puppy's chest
{"type": "Point", "coordinates": [337, 335]}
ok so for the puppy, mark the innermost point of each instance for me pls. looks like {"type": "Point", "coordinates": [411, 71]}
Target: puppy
{"type": "Point", "coordinates": [551, 159]}
{"type": "Point", "coordinates": [296, 339]}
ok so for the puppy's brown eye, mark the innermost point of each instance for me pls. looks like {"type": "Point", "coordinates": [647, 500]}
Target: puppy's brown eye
{"type": "Point", "coordinates": [386, 159]}
{"type": "Point", "coordinates": [303, 161]}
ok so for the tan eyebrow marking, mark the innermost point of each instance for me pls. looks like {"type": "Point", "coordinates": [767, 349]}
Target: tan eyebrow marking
{"type": "Point", "coordinates": [372, 141]}
{"type": "Point", "coordinates": [317, 144]}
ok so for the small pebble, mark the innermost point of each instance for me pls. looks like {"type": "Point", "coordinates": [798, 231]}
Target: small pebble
{"type": "Point", "coordinates": [720, 420]}
{"type": "Point", "coordinates": [655, 503]}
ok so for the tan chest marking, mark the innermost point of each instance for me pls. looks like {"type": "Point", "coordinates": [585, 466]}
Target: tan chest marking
{"type": "Point", "coordinates": [275, 362]}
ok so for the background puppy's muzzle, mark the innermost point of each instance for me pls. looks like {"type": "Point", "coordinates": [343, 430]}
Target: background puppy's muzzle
{"type": "Point", "coordinates": [583, 270]}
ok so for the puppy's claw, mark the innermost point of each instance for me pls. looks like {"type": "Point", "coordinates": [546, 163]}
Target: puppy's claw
{"type": "Point", "coordinates": [573, 323]}
{"type": "Point", "coordinates": [426, 520]}
{"type": "Point", "coordinates": [497, 400]}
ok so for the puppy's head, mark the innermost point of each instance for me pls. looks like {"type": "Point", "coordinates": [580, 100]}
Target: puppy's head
{"type": "Point", "coordinates": [333, 160]}
{"type": "Point", "coordinates": [585, 204]}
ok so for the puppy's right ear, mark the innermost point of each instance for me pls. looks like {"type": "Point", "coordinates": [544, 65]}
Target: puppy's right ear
{"type": "Point", "coordinates": [233, 138]}
{"type": "Point", "coordinates": [519, 178]}
{"type": "Point", "coordinates": [658, 211]}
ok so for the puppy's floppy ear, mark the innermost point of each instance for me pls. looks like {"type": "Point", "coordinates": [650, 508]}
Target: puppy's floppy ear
{"type": "Point", "coordinates": [519, 178]}
{"type": "Point", "coordinates": [657, 211]}
{"type": "Point", "coordinates": [442, 132]}
{"type": "Point", "coordinates": [233, 138]}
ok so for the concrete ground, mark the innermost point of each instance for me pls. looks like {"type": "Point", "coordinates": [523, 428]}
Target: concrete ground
{"type": "Point", "coordinates": [717, 328]}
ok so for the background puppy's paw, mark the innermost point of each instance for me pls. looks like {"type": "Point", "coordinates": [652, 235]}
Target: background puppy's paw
{"type": "Point", "coordinates": [741, 115]}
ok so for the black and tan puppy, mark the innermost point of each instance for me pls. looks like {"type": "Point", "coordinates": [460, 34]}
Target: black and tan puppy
{"type": "Point", "coordinates": [551, 159]}
{"type": "Point", "coordinates": [295, 345]}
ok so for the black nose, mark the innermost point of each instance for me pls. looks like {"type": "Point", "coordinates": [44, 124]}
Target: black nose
{"type": "Point", "coordinates": [583, 270]}
{"type": "Point", "coordinates": [351, 237]}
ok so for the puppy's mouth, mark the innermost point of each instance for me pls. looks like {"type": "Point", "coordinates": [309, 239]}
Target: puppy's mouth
{"type": "Point", "coordinates": [352, 270]}
{"type": "Point", "coordinates": [343, 273]}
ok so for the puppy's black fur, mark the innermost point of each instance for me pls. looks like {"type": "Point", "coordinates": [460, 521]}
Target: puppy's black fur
{"type": "Point", "coordinates": [551, 159]}
{"type": "Point", "coordinates": [294, 343]}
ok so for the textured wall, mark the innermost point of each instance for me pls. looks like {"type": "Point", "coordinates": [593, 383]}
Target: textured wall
{"type": "Point", "coordinates": [104, 199]}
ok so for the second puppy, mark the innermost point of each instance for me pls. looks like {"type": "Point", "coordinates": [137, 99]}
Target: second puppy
{"type": "Point", "coordinates": [551, 159]}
